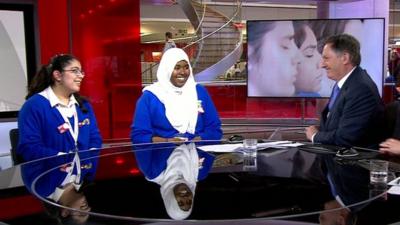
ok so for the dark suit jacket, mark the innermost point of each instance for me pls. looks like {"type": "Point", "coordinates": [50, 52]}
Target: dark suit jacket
{"type": "Point", "coordinates": [357, 115]}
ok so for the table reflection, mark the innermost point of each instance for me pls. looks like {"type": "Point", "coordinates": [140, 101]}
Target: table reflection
{"type": "Point", "coordinates": [160, 182]}
{"type": "Point", "coordinates": [61, 180]}
{"type": "Point", "coordinates": [349, 185]}
{"type": "Point", "coordinates": [177, 171]}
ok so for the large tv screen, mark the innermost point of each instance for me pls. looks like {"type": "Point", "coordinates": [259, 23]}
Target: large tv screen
{"type": "Point", "coordinates": [17, 56]}
{"type": "Point", "coordinates": [284, 56]}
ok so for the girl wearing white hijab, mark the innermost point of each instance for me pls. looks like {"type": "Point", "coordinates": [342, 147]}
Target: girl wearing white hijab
{"type": "Point", "coordinates": [175, 107]}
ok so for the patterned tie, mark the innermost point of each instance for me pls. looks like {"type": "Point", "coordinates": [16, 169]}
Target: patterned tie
{"type": "Point", "coordinates": [335, 93]}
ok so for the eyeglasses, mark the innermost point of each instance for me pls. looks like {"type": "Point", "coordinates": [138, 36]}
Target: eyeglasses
{"type": "Point", "coordinates": [76, 72]}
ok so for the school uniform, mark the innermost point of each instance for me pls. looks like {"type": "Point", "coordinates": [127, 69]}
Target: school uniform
{"type": "Point", "coordinates": [47, 129]}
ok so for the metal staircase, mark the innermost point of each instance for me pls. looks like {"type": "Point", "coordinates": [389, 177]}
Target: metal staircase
{"type": "Point", "coordinates": [219, 41]}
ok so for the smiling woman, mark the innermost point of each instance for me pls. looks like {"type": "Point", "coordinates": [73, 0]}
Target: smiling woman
{"type": "Point", "coordinates": [180, 74]}
{"type": "Point", "coordinates": [175, 108]}
{"type": "Point", "coordinates": [55, 120]}
{"type": "Point", "coordinates": [64, 74]}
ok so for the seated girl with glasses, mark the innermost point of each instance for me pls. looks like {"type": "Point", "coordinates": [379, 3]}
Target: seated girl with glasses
{"type": "Point", "coordinates": [55, 121]}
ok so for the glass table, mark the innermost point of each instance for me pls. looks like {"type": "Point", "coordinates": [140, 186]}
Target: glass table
{"type": "Point", "coordinates": [166, 182]}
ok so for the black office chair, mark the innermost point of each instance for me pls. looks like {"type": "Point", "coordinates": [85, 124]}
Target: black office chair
{"type": "Point", "coordinates": [14, 137]}
{"type": "Point", "coordinates": [391, 120]}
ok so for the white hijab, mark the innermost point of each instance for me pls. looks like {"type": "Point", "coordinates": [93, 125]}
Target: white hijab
{"type": "Point", "coordinates": [182, 167]}
{"type": "Point", "coordinates": [181, 107]}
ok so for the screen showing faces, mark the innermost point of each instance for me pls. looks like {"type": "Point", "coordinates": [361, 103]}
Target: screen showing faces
{"type": "Point", "coordinates": [284, 57]}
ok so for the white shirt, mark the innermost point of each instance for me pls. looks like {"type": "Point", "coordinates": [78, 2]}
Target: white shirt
{"type": "Point", "coordinates": [340, 83]}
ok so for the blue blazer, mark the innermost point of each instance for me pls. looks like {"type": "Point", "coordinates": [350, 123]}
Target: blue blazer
{"type": "Point", "coordinates": [39, 137]}
{"type": "Point", "coordinates": [356, 116]}
{"type": "Point", "coordinates": [150, 119]}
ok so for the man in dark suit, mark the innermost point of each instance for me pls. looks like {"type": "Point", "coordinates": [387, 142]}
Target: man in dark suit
{"type": "Point", "coordinates": [355, 110]}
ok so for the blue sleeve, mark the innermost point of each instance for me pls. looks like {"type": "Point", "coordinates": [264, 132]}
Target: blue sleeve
{"type": "Point", "coordinates": [31, 120]}
{"type": "Point", "coordinates": [207, 161]}
{"type": "Point", "coordinates": [95, 140]}
{"type": "Point", "coordinates": [31, 145]}
{"type": "Point", "coordinates": [212, 124]}
{"type": "Point", "coordinates": [153, 162]}
{"type": "Point", "coordinates": [141, 129]}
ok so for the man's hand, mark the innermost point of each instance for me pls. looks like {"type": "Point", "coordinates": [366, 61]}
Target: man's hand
{"type": "Point", "coordinates": [310, 131]}
{"type": "Point", "coordinates": [390, 146]}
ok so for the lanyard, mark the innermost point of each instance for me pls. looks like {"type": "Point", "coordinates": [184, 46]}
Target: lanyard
{"type": "Point", "coordinates": [74, 133]}
{"type": "Point", "coordinates": [77, 163]}
{"type": "Point", "coordinates": [74, 178]}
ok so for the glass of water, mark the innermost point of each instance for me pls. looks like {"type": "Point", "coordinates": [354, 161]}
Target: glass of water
{"type": "Point", "coordinates": [378, 171]}
{"type": "Point", "coordinates": [250, 154]}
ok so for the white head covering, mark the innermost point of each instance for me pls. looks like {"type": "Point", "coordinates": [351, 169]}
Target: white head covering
{"type": "Point", "coordinates": [182, 167]}
{"type": "Point", "coordinates": [180, 103]}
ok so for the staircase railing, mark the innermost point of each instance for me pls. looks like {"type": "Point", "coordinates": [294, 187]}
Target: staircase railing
{"type": "Point", "coordinates": [192, 41]}
{"type": "Point", "coordinates": [237, 51]}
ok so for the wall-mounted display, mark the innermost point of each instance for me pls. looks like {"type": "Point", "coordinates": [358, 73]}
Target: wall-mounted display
{"type": "Point", "coordinates": [284, 57]}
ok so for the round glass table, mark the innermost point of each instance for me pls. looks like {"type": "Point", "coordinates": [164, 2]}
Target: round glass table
{"type": "Point", "coordinates": [204, 182]}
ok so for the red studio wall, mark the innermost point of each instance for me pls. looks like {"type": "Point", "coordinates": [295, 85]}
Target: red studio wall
{"type": "Point", "coordinates": [53, 28]}
{"type": "Point", "coordinates": [104, 35]}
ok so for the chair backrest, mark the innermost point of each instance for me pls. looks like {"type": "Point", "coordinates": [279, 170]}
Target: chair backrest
{"type": "Point", "coordinates": [391, 122]}
{"type": "Point", "coordinates": [14, 137]}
